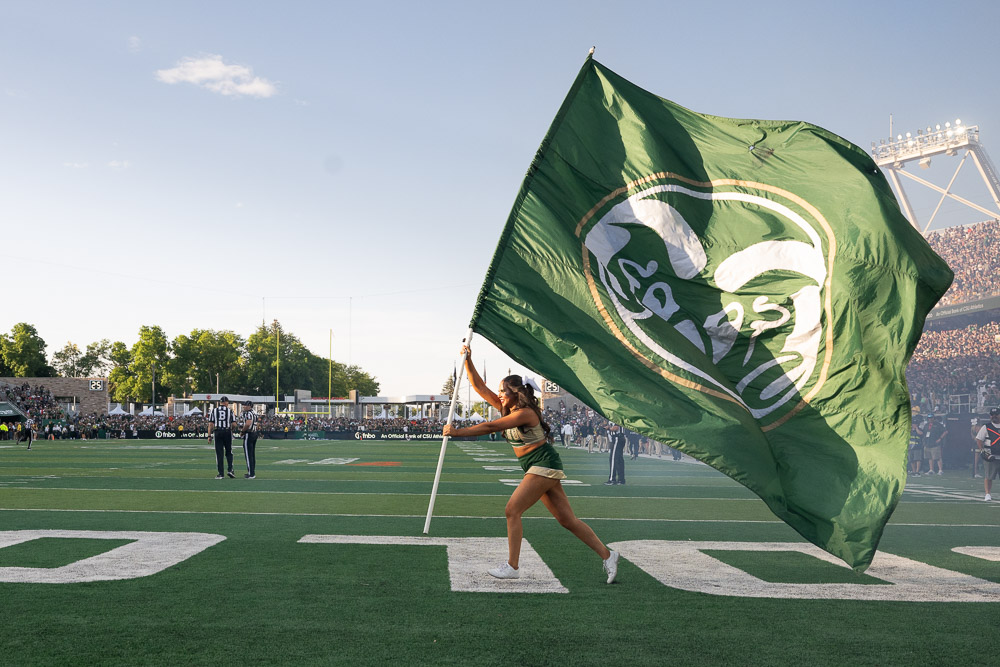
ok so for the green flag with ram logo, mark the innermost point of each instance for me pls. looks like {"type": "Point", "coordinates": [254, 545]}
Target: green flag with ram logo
{"type": "Point", "coordinates": [746, 291]}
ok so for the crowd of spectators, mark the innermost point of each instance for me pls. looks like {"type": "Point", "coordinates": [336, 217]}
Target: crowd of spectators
{"type": "Point", "coordinates": [98, 426]}
{"type": "Point", "coordinates": [957, 362]}
{"type": "Point", "coordinates": [35, 402]}
{"type": "Point", "coordinates": [971, 253]}
{"type": "Point", "coordinates": [582, 427]}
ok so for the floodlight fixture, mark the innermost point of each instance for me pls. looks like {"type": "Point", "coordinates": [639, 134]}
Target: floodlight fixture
{"type": "Point", "coordinates": [893, 154]}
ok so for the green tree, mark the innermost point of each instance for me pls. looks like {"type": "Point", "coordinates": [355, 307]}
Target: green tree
{"type": "Point", "coordinates": [299, 368]}
{"type": "Point", "coordinates": [275, 355]}
{"type": "Point", "coordinates": [69, 361]}
{"type": "Point", "coordinates": [23, 352]}
{"type": "Point", "coordinates": [120, 358]}
{"type": "Point", "coordinates": [97, 359]}
{"type": "Point", "coordinates": [362, 381]}
{"type": "Point", "coordinates": [150, 354]}
{"type": "Point", "coordinates": [72, 362]}
{"type": "Point", "coordinates": [448, 388]}
{"type": "Point", "coordinates": [259, 356]}
{"type": "Point", "coordinates": [198, 357]}
{"type": "Point", "coordinates": [449, 385]}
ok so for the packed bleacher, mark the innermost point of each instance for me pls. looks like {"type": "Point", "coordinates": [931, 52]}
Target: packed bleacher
{"type": "Point", "coordinates": [971, 252]}
{"type": "Point", "coordinates": [35, 402]}
{"type": "Point", "coordinates": [963, 359]}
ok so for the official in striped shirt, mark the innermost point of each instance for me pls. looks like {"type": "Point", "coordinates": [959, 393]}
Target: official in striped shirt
{"type": "Point", "coordinates": [249, 434]}
{"type": "Point", "coordinates": [220, 424]}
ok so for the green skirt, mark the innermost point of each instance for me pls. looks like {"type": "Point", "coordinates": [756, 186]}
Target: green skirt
{"type": "Point", "coordinates": [543, 461]}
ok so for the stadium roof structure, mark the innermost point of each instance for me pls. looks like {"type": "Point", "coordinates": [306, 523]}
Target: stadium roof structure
{"type": "Point", "coordinates": [948, 140]}
{"type": "Point", "coordinates": [10, 410]}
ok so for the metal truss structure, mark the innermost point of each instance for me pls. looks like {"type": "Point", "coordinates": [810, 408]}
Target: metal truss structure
{"type": "Point", "coordinates": [894, 154]}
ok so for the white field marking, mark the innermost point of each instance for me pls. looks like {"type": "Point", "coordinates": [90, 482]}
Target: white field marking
{"type": "Point", "coordinates": [494, 459]}
{"type": "Point", "coordinates": [684, 565]}
{"type": "Point", "coordinates": [502, 468]}
{"type": "Point", "coordinates": [177, 446]}
{"type": "Point", "coordinates": [469, 558]}
{"type": "Point", "coordinates": [201, 476]}
{"type": "Point", "coordinates": [941, 492]}
{"type": "Point", "coordinates": [485, 517]}
{"type": "Point", "coordinates": [291, 461]}
{"type": "Point", "coordinates": [754, 499]}
{"type": "Point", "coordinates": [148, 554]}
{"type": "Point", "coordinates": [511, 482]}
{"type": "Point", "coordinates": [571, 482]}
{"type": "Point", "coordinates": [332, 462]}
{"type": "Point", "coordinates": [985, 553]}
{"type": "Point", "coordinates": [266, 492]}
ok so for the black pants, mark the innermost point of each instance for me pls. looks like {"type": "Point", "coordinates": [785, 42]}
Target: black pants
{"type": "Point", "coordinates": [250, 451]}
{"type": "Point", "coordinates": [617, 462]}
{"type": "Point", "coordinates": [223, 443]}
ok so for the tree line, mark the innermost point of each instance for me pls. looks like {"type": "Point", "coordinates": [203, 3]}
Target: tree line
{"type": "Point", "coordinates": [194, 363]}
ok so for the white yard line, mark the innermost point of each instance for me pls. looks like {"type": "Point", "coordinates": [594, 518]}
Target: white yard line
{"type": "Point", "coordinates": [462, 516]}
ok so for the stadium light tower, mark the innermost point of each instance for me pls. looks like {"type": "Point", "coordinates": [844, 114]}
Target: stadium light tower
{"type": "Point", "coordinates": [892, 154]}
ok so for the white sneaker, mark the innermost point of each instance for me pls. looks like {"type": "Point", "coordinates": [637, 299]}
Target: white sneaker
{"type": "Point", "coordinates": [505, 571]}
{"type": "Point", "coordinates": [988, 497]}
{"type": "Point", "coordinates": [611, 566]}
{"type": "Point", "coordinates": [940, 472]}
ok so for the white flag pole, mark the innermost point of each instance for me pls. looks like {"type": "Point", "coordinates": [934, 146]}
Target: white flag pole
{"type": "Point", "coordinates": [444, 441]}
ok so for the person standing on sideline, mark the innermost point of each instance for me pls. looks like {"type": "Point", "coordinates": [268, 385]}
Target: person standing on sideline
{"type": "Point", "coordinates": [220, 424]}
{"type": "Point", "coordinates": [916, 451]}
{"type": "Point", "coordinates": [25, 432]}
{"type": "Point", "coordinates": [977, 460]}
{"type": "Point", "coordinates": [521, 423]}
{"type": "Point", "coordinates": [936, 435]}
{"type": "Point", "coordinates": [633, 444]}
{"type": "Point", "coordinates": [567, 434]}
{"type": "Point", "coordinates": [249, 433]}
{"type": "Point", "coordinates": [988, 440]}
{"type": "Point", "coordinates": [616, 442]}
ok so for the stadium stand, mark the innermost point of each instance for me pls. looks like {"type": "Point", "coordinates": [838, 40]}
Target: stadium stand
{"type": "Point", "coordinates": [956, 366]}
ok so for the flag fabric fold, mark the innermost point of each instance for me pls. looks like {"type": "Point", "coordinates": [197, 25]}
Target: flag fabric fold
{"type": "Point", "coordinates": [746, 291]}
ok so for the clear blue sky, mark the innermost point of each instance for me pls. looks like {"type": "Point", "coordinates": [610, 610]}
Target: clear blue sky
{"type": "Point", "coordinates": [205, 164]}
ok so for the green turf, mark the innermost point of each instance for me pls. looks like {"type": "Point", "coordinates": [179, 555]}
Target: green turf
{"type": "Point", "coordinates": [50, 553]}
{"type": "Point", "coordinates": [261, 597]}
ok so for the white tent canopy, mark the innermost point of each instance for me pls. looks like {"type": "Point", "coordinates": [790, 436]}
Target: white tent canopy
{"type": "Point", "coordinates": [192, 411]}
{"type": "Point", "coordinates": [117, 410]}
{"type": "Point", "coordinates": [148, 412]}
{"type": "Point", "coordinates": [476, 417]}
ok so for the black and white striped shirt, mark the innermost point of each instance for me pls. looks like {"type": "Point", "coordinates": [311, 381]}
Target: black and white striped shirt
{"type": "Point", "coordinates": [222, 417]}
{"type": "Point", "coordinates": [250, 421]}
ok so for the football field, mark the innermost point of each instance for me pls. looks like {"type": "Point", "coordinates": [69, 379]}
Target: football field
{"type": "Point", "coordinates": [130, 552]}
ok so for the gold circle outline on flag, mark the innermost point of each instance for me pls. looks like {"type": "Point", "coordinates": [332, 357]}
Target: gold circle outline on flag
{"type": "Point", "coordinates": [672, 377]}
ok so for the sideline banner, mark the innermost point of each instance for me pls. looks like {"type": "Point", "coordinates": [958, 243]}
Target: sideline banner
{"type": "Point", "coordinates": [300, 435]}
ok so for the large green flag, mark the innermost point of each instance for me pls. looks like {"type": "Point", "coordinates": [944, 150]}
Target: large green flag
{"type": "Point", "coordinates": [746, 291]}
